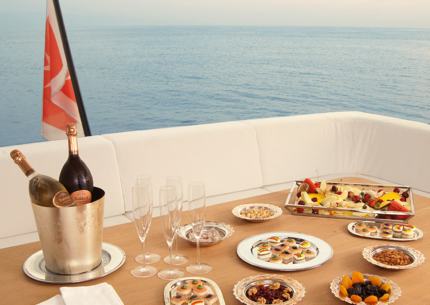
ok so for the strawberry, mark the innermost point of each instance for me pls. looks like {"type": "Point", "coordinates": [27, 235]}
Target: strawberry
{"type": "Point", "coordinates": [366, 197]}
{"type": "Point", "coordinates": [356, 198]}
{"type": "Point", "coordinates": [312, 187]}
{"type": "Point", "coordinates": [317, 184]}
{"type": "Point", "coordinates": [372, 203]}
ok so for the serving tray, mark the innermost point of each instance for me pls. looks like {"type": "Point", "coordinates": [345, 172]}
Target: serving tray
{"type": "Point", "coordinates": [418, 234]}
{"type": "Point", "coordinates": [291, 204]}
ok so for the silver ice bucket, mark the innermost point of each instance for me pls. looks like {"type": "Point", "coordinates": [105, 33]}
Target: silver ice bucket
{"type": "Point", "coordinates": [71, 237]}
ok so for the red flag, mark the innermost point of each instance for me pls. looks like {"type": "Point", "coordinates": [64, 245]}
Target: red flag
{"type": "Point", "coordinates": [60, 105]}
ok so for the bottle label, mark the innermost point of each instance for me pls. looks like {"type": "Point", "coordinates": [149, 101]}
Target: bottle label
{"type": "Point", "coordinates": [62, 199]}
{"type": "Point", "coordinates": [81, 197]}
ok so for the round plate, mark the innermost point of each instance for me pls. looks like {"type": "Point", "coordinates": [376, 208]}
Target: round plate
{"type": "Point", "coordinates": [243, 285]}
{"type": "Point", "coordinates": [277, 211]}
{"type": "Point", "coordinates": [170, 287]}
{"type": "Point", "coordinates": [113, 257]}
{"type": "Point", "coordinates": [245, 252]}
{"type": "Point", "coordinates": [224, 230]}
{"type": "Point", "coordinates": [418, 234]}
{"type": "Point", "coordinates": [417, 256]}
{"type": "Point", "coordinates": [396, 292]}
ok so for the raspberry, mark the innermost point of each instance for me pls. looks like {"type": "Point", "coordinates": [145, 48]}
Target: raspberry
{"type": "Point", "coordinates": [396, 190]}
{"type": "Point", "coordinates": [339, 193]}
{"type": "Point", "coordinates": [405, 194]}
{"type": "Point", "coordinates": [403, 199]}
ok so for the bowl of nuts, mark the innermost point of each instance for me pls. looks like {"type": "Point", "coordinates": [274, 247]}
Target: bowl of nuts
{"type": "Point", "coordinates": [257, 212]}
{"type": "Point", "coordinates": [393, 257]}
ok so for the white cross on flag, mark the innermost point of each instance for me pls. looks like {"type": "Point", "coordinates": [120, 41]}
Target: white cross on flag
{"type": "Point", "coordinates": [59, 99]}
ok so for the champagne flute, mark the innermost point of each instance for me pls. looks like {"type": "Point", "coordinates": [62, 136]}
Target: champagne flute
{"type": "Point", "coordinates": [169, 210]}
{"type": "Point", "coordinates": [197, 205]}
{"type": "Point", "coordinates": [145, 182]}
{"type": "Point", "coordinates": [176, 258]}
{"type": "Point", "coordinates": [142, 216]}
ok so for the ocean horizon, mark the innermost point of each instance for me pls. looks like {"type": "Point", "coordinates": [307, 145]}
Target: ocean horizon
{"type": "Point", "coordinates": [149, 77]}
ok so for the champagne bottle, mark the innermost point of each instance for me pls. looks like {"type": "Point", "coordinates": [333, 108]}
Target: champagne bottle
{"type": "Point", "coordinates": [42, 188]}
{"type": "Point", "coordinates": [75, 175]}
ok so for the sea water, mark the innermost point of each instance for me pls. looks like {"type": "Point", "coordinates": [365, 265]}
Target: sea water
{"type": "Point", "coordinates": [150, 77]}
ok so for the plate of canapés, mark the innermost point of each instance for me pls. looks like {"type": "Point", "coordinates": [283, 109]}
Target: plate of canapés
{"type": "Point", "coordinates": [212, 233]}
{"type": "Point", "coordinates": [284, 251]}
{"type": "Point", "coordinates": [268, 289]}
{"type": "Point", "coordinates": [257, 212]}
{"type": "Point", "coordinates": [385, 231]}
{"type": "Point", "coordinates": [393, 257]}
{"type": "Point", "coordinates": [365, 289]}
{"type": "Point", "coordinates": [193, 291]}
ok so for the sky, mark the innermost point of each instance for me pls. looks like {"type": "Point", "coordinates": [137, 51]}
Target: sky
{"type": "Point", "coordinates": [355, 13]}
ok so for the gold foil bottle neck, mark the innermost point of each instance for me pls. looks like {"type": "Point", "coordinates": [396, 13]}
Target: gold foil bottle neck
{"type": "Point", "coordinates": [16, 155]}
{"type": "Point", "coordinates": [71, 130]}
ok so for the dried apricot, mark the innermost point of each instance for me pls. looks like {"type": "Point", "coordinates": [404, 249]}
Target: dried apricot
{"type": "Point", "coordinates": [376, 281]}
{"type": "Point", "coordinates": [386, 287]}
{"type": "Point", "coordinates": [371, 300]}
{"type": "Point", "coordinates": [357, 277]}
{"type": "Point", "coordinates": [356, 298]}
{"type": "Point", "coordinates": [342, 291]}
{"type": "Point", "coordinates": [384, 298]}
{"type": "Point", "coordinates": [346, 282]}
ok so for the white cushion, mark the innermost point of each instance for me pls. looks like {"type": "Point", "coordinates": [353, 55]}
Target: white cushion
{"type": "Point", "coordinates": [48, 158]}
{"type": "Point", "coordinates": [224, 156]}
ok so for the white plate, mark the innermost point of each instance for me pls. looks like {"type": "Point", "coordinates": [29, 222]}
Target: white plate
{"type": "Point", "coordinates": [277, 211]}
{"type": "Point", "coordinates": [113, 258]}
{"type": "Point", "coordinates": [351, 229]}
{"type": "Point", "coordinates": [171, 285]}
{"type": "Point", "coordinates": [245, 252]}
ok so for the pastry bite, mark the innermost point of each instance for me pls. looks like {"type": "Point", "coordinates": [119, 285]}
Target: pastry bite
{"type": "Point", "coordinates": [275, 259]}
{"type": "Point", "coordinates": [178, 300]}
{"type": "Point", "coordinates": [295, 249]}
{"type": "Point", "coordinates": [360, 226]}
{"type": "Point", "coordinates": [299, 258]}
{"type": "Point", "coordinates": [408, 234]}
{"type": "Point", "coordinates": [200, 290]}
{"type": "Point", "coordinates": [287, 257]}
{"type": "Point", "coordinates": [274, 240]}
{"type": "Point", "coordinates": [309, 254]}
{"type": "Point", "coordinates": [365, 232]}
{"type": "Point", "coordinates": [290, 242]}
{"type": "Point", "coordinates": [387, 234]}
{"type": "Point", "coordinates": [183, 290]}
{"type": "Point", "coordinates": [210, 299]}
{"type": "Point", "coordinates": [397, 231]}
{"type": "Point", "coordinates": [305, 244]}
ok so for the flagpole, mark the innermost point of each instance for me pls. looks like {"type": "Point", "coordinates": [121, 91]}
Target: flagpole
{"type": "Point", "coordinates": [73, 77]}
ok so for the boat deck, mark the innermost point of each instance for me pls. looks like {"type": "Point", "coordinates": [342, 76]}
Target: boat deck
{"type": "Point", "coordinates": [16, 288]}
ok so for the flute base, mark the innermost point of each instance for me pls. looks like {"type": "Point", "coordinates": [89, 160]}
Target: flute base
{"type": "Point", "coordinates": [144, 271]}
{"type": "Point", "coordinates": [199, 268]}
{"type": "Point", "coordinates": [147, 258]}
{"type": "Point", "coordinates": [170, 274]}
{"type": "Point", "coordinates": [176, 260]}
